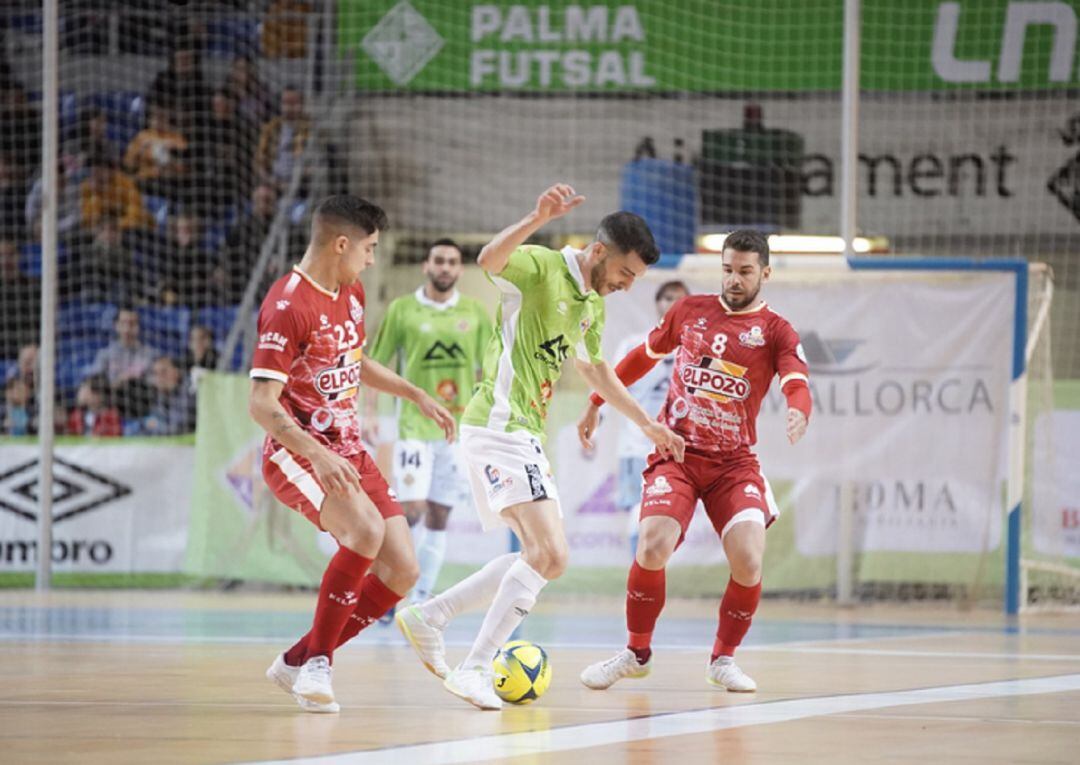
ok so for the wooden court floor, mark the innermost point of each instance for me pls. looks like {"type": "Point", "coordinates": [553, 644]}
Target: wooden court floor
{"type": "Point", "coordinates": [118, 678]}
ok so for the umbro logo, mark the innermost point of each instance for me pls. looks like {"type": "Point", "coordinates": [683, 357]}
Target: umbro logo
{"type": "Point", "coordinates": [76, 490]}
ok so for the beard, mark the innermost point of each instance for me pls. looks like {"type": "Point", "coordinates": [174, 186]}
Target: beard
{"type": "Point", "coordinates": [442, 283]}
{"type": "Point", "coordinates": [741, 300]}
{"type": "Point", "coordinates": [597, 280]}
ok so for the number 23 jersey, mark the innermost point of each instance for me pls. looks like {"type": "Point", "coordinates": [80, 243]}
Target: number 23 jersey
{"type": "Point", "coordinates": [312, 340]}
{"type": "Point", "coordinates": [724, 363]}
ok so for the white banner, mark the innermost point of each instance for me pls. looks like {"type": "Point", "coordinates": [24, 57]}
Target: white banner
{"type": "Point", "coordinates": [1056, 502]}
{"type": "Point", "coordinates": [117, 507]}
{"type": "Point", "coordinates": [910, 382]}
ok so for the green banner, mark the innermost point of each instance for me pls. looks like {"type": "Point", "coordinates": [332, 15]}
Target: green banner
{"type": "Point", "coordinates": [238, 530]}
{"type": "Point", "coordinates": [436, 46]}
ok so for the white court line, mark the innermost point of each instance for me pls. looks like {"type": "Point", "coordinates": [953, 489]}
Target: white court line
{"type": "Point", "coordinates": [575, 737]}
{"type": "Point", "coordinates": [1018, 655]}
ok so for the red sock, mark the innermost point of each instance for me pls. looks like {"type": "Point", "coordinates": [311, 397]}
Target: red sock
{"type": "Point", "coordinates": [297, 655]}
{"type": "Point", "coordinates": [645, 591]}
{"type": "Point", "coordinates": [374, 595]}
{"type": "Point", "coordinates": [338, 596]}
{"type": "Point", "coordinates": [736, 610]}
{"type": "Point", "coordinates": [375, 600]}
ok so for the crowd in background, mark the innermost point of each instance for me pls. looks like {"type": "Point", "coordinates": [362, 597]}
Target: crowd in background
{"type": "Point", "coordinates": [172, 216]}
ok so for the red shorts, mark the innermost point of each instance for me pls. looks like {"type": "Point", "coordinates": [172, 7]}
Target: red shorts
{"type": "Point", "coordinates": [292, 480]}
{"type": "Point", "coordinates": [730, 485]}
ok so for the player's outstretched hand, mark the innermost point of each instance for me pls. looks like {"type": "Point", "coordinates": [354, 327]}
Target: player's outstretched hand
{"type": "Point", "coordinates": [587, 425]}
{"type": "Point", "coordinates": [335, 473]}
{"type": "Point", "coordinates": [557, 201]}
{"type": "Point", "coordinates": [668, 442]}
{"type": "Point", "coordinates": [796, 425]}
{"type": "Point", "coordinates": [439, 415]}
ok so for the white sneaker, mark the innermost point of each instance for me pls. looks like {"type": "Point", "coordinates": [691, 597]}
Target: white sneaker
{"type": "Point", "coordinates": [725, 673]}
{"type": "Point", "coordinates": [426, 640]}
{"type": "Point", "coordinates": [475, 685]}
{"type": "Point", "coordinates": [605, 674]}
{"type": "Point", "coordinates": [285, 676]}
{"type": "Point", "coordinates": [313, 681]}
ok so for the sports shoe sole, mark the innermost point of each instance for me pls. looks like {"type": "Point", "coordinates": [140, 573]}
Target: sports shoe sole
{"type": "Point", "coordinates": [399, 620]}
{"type": "Point", "coordinates": [284, 682]}
{"type": "Point", "coordinates": [465, 697]}
{"type": "Point", "coordinates": [646, 671]}
{"type": "Point", "coordinates": [715, 684]}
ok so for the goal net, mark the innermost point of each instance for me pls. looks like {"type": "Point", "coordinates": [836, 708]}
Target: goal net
{"type": "Point", "coordinates": [195, 137]}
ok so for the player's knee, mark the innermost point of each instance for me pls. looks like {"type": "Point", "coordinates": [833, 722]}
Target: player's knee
{"type": "Point", "coordinates": [360, 532]}
{"type": "Point", "coordinates": [745, 569]}
{"type": "Point", "coordinates": [654, 549]}
{"type": "Point", "coordinates": [549, 559]}
{"type": "Point", "coordinates": [404, 576]}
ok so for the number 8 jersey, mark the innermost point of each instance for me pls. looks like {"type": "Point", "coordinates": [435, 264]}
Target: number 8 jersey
{"type": "Point", "coordinates": [724, 363]}
{"type": "Point", "coordinates": [312, 340]}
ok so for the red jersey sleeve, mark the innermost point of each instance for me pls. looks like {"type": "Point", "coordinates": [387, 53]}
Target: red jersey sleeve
{"type": "Point", "coordinates": [664, 337]}
{"type": "Point", "coordinates": [280, 335]}
{"type": "Point", "coordinates": [788, 355]}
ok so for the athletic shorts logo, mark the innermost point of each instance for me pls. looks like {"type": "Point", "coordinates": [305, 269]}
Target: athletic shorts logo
{"type": "Point", "coordinates": [659, 486]}
{"type": "Point", "coordinates": [751, 491]}
{"type": "Point", "coordinates": [492, 474]}
{"type": "Point", "coordinates": [536, 482]}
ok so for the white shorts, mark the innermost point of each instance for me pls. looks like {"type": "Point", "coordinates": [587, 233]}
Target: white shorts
{"type": "Point", "coordinates": [505, 469]}
{"type": "Point", "coordinates": [429, 471]}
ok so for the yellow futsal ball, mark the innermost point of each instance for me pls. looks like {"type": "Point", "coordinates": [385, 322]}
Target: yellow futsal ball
{"type": "Point", "coordinates": [522, 672]}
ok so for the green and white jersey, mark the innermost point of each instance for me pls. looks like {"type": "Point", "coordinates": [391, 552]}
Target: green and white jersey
{"type": "Point", "coordinates": [544, 315]}
{"type": "Point", "coordinates": [440, 347]}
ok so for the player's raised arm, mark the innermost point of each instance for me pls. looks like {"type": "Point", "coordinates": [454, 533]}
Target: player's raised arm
{"type": "Point", "coordinates": [374, 375]}
{"type": "Point", "coordinates": [554, 203]}
{"type": "Point", "coordinates": [601, 378]}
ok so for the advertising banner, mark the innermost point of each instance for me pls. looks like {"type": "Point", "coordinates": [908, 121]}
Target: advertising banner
{"type": "Point", "coordinates": [118, 506]}
{"type": "Point", "coordinates": [699, 46]}
{"type": "Point", "coordinates": [1056, 502]}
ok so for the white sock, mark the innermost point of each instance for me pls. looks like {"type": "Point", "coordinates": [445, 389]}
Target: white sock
{"type": "Point", "coordinates": [472, 592]}
{"type": "Point", "coordinates": [419, 534]}
{"type": "Point", "coordinates": [430, 556]}
{"type": "Point", "coordinates": [513, 600]}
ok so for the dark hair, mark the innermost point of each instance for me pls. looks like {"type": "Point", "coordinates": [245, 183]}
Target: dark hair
{"type": "Point", "coordinates": [748, 240]}
{"type": "Point", "coordinates": [627, 232]}
{"type": "Point", "coordinates": [348, 210]}
{"type": "Point", "coordinates": [444, 242]}
{"type": "Point", "coordinates": [97, 159]}
{"type": "Point", "coordinates": [201, 328]}
{"type": "Point", "coordinates": [675, 284]}
{"type": "Point", "coordinates": [98, 384]}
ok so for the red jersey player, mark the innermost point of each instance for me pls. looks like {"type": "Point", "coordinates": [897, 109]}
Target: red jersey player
{"type": "Point", "coordinates": [305, 375]}
{"type": "Point", "coordinates": [727, 350]}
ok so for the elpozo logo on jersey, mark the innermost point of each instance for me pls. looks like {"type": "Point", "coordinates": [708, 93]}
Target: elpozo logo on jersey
{"type": "Point", "coordinates": [716, 379]}
{"type": "Point", "coordinates": [343, 380]}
